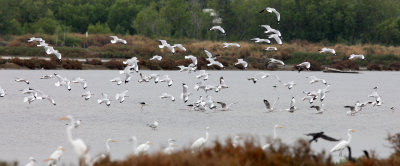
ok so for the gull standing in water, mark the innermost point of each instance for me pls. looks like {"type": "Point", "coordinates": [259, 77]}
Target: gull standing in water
{"type": "Point", "coordinates": [81, 81]}
{"type": "Point", "coordinates": [268, 107]}
{"type": "Point", "coordinates": [87, 95]}
{"type": "Point", "coordinates": [328, 50]}
{"type": "Point", "coordinates": [104, 99]}
{"type": "Point", "coordinates": [166, 96]}
{"type": "Point", "coordinates": [269, 9]}
{"type": "Point", "coordinates": [156, 57]}
{"type": "Point", "coordinates": [21, 80]}
{"type": "Point", "coordinates": [117, 40]}
{"type": "Point", "coordinates": [292, 108]}
{"type": "Point", "coordinates": [242, 62]}
{"type": "Point", "coordinates": [153, 125]}
{"type": "Point", "coordinates": [266, 146]}
{"type": "Point", "coordinates": [2, 92]}
{"type": "Point", "coordinates": [121, 96]}
{"type": "Point", "coordinates": [185, 94]}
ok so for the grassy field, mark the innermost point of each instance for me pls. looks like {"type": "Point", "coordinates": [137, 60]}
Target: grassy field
{"type": "Point", "coordinates": [378, 57]}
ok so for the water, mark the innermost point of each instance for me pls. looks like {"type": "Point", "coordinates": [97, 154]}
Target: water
{"type": "Point", "coordinates": [35, 129]}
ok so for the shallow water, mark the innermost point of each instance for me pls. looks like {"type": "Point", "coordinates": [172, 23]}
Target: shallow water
{"type": "Point", "coordinates": [35, 129]}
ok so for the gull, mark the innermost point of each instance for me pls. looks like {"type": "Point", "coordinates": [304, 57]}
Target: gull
{"type": "Point", "coordinates": [30, 98]}
{"type": "Point", "coordinates": [322, 93]}
{"type": "Point", "coordinates": [117, 80]}
{"type": "Point", "coordinates": [55, 157]}
{"type": "Point", "coordinates": [213, 62]}
{"type": "Point", "coordinates": [40, 96]}
{"type": "Point", "coordinates": [131, 62]}
{"type": "Point", "coordinates": [184, 68]}
{"type": "Point", "coordinates": [28, 91]}
{"type": "Point", "coordinates": [167, 79]}
{"type": "Point", "coordinates": [165, 44]}
{"type": "Point", "coordinates": [156, 57]}
{"type": "Point", "coordinates": [81, 81]}
{"type": "Point", "coordinates": [166, 96]}
{"type": "Point", "coordinates": [356, 108]}
{"type": "Point", "coordinates": [276, 61]}
{"type": "Point", "coordinates": [32, 162]}
{"type": "Point", "coordinates": [226, 45]}
{"type": "Point", "coordinates": [224, 106]}
{"type": "Point", "coordinates": [42, 44]}
{"type": "Point", "coordinates": [128, 74]}
{"type": "Point", "coordinates": [203, 74]}
{"type": "Point", "coordinates": [258, 40]}
{"type": "Point", "coordinates": [315, 79]}
{"type": "Point", "coordinates": [2, 92]}
{"type": "Point", "coordinates": [180, 46]}
{"type": "Point", "coordinates": [328, 50]}
{"type": "Point", "coordinates": [117, 40]}
{"type": "Point", "coordinates": [254, 79]}
{"type": "Point", "coordinates": [51, 50]}
{"type": "Point", "coordinates": [121, 96]}
{"type": "Point", "coordinates": [242, 62]}
{"type": "Point", "coordinates": [303, 65]}
{"type": "Point", "coordinates": [377, 98]}
{"type": "Point", "coordinates": [268, 106]}
{"type": "Point", "coordinates": [104, 99]}
{"type": "Point", "coordinates": [271, 30]}
{"type": "Point", "coordinates": [289, 84]}
{"type": "Point", "coordinates": [200, 85]}
{"type": "Point", "coordinates": [21, 80]}
{"type": "Point", "coordinates": [46, 76]}
{"type": "Point", "coordinates": [277, 38]}
{"type": "Point", "coordinates": [209, 102]}
{"type": "Point", "coordinates": [193, 58]}
{"type": "Point", "coordinates": [292, 108]}
{"type": "Point", "coordinates": [32, 39]}
{"type": "Point", "coordinates": [271, 49]}
{"type": "Point", "coordinates": [219, 28]}
{"type": "Point", "coordinates": [154, 76]}
{"type": "Point", "coordinates": [221, 84]}
{"type": "Point", "coordinates": [354, 56]}
{"type": "Point", "coordinates": [209, 55]}
{"type": "Point", "coordinates": [321, 134]}
{"type": "Point", "coordinates": [153, 125]}
{"type": "Point", "coordinates": [143, 78]}
{"type": "Point", "coordinates": [185, 94]}
{"type": "Point", "coordinates": [63, 81]}
{"type": "Point", "coordinates": [269, 9]}
{"type": "Point", "coordinates": [320, 109]}
{"type": "Point", "coordinates": [209, 87]}
{"type": "Point", "coordinates": [87, 95]}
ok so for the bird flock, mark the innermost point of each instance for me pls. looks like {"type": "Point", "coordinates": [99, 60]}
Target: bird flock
{"type": "Point", "coordinates": [202, 104]}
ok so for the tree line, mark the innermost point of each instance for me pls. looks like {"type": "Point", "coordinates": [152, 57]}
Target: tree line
{"type": "Point", "coordinates": [333, 21]}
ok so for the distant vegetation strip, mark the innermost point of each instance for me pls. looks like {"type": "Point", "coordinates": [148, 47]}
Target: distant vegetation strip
{"type": "Point", "coordinates": [96, 47]}
{"type": "Point", "coordinates": [249, 153]}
